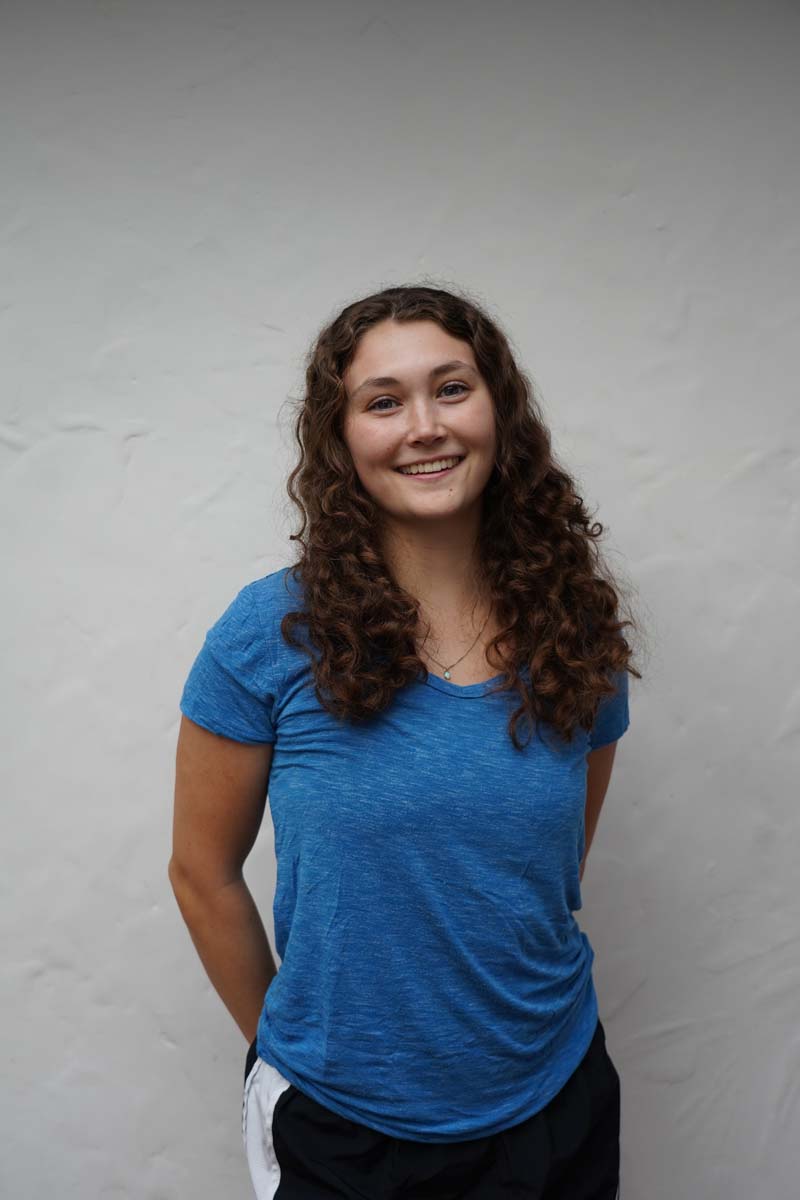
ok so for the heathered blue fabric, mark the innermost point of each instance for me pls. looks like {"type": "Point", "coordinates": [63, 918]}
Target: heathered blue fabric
{"type": "Point", "coordinates": [434, 983]}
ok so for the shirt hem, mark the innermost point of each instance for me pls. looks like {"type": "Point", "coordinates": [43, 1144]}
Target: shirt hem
{"type": "Point", "coordinates": [587, 1017]}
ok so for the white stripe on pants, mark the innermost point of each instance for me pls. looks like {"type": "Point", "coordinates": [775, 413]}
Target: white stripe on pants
{"type": "Point", "coordinates": [263, 1087]}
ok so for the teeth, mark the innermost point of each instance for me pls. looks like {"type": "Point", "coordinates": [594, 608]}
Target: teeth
{"type": "Point", "coordinates": [427, 468]}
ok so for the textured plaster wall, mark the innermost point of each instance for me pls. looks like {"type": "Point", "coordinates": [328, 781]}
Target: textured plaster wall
{"type": "Point", "coordinates": [188, 191]}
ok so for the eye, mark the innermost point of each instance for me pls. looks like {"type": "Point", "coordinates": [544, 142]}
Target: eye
{"type": "Point", "coordinates": [459, 386]}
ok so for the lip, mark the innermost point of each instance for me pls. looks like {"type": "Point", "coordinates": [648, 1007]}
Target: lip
{"type": "Point", "coordinates": [433, 474]}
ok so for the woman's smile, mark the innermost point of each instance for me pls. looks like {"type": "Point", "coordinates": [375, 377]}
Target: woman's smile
{"type": "Point", "coordinates": [424, 472]}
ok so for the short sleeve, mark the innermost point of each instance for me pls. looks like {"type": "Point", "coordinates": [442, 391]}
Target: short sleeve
{"type": "Point", "coordinates": [612, 717]}
{"type": "Point", "coordinates": [230, 688]}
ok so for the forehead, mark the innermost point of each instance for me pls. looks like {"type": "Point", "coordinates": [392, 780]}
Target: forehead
{"type": "Point", "coordinates": [403, 349]}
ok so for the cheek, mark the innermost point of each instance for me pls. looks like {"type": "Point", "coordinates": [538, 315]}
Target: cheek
{"type": "Point", "coordinates": [372, 453]}
{"type": "Point", "coordinates": [483, 434]}
{"type": "Point", "coordinates": [370, 450]}
{"type": "Point", "coordinates": [358, 440]}
{"type": "Point", "coordinates": [480, 420]}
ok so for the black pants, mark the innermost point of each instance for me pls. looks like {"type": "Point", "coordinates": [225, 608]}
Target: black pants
{"type": "Point", "coordinates": [569, 1150]}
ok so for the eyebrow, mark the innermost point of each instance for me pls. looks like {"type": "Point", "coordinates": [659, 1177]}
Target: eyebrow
{"type": "Point", "coordinates": [390, 381]}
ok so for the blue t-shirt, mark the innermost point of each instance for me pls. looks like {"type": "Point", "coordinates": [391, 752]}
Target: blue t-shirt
{"type": "Point", "coordinates": [434, 984]}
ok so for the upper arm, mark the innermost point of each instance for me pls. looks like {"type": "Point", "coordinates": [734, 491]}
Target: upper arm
{"type": "Point", "coordinates": [599, 764]}
{"type": "Point", "coordinates": [220, 797]}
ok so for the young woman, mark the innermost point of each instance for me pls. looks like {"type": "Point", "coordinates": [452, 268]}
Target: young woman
{"type": "Point", "coordinates": [432, 694]}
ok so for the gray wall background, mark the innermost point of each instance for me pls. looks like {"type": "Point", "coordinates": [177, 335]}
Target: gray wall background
{"type": "Point", "coordinates": [189, 190]}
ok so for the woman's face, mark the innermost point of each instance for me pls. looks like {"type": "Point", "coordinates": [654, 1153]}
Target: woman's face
{"type": "Point", "coordinates": [401, 409]}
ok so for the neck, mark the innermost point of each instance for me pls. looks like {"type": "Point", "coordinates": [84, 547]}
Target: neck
{"type": "Point", "coordinates": [439, 568]}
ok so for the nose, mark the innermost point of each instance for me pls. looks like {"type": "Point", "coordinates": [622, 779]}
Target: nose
{"type": "Point", "coordinates": [424, 423]}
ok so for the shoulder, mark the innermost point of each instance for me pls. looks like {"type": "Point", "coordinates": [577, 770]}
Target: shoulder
{"type": "Point", "coordinates": [261, 600]}
{"type": "Point", "coordinates": [264, 602]}
{"type": "Point", "coordinates": [253, 621]}
{"type": "Point", "coordinates": [272, 595]}
{"type": "Point", "coordinates": [613, 715]}
{"type": "Point", "coordinates": [236, 678]}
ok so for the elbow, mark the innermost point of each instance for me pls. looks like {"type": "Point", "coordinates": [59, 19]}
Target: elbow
{"type": "Point", "coordinates": [172, 871]}
{"type": "Point", "coordinates": [178, 877]}
{"type": "Point", "coordinates": [202, 885]}
{"type": "Point", "coordinates": [189, 897]}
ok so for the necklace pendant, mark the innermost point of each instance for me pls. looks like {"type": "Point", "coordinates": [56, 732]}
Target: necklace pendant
{"type": "Point", "coordinates": [447, 674]}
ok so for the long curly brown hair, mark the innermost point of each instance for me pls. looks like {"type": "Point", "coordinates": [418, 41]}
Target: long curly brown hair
{"type": "Point", "coordinates": [555, 598]}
